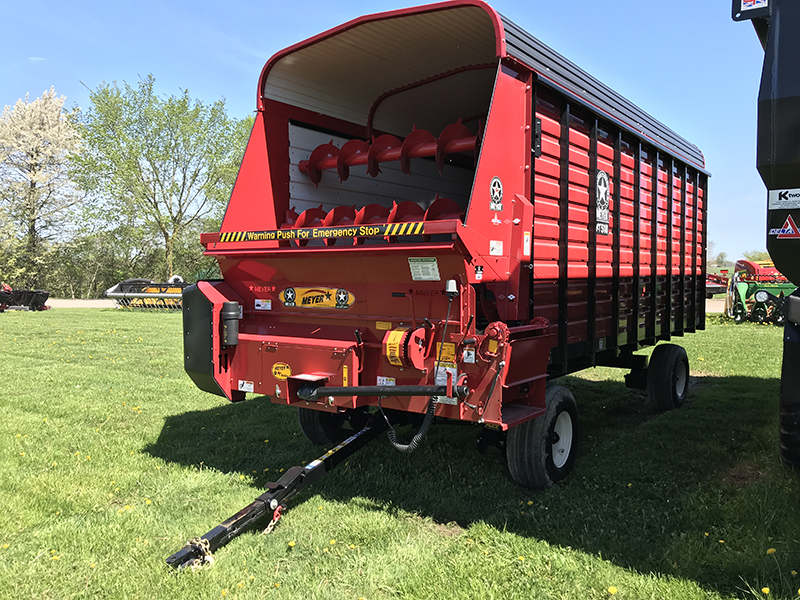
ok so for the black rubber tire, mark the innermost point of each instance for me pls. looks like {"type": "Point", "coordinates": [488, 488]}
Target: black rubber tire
{"type": "Point", "coordinates": [668, 377]}
{"type": "Point", "coordinates": [759, 314]}
{"type": "Point", "coordinates": [790, 435]}
{"type": "Point", "coordinates": [537, 456]}
{"type": "Point", "coordinates": [740, 313]}
{"type": "Point", "coordinates": [322, 428]}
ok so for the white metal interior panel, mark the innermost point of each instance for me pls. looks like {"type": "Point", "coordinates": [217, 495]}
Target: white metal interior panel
{"type": "Point", "coordinates": [435, 105]}
{"type": "Point", "coordinates": [343, 75]}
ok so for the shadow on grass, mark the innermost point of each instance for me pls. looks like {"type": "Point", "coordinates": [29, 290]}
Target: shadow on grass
{"type": "Point", "coordinates": [651, 492]}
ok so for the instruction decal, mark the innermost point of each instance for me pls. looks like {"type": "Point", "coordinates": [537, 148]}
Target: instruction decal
{"type": "Point", "coordinates": [784, 199]}
{"type": "Point", "coordinates": [319, 233]}
{"type": "Point", "coordinates": [246, 386]}
{"type": "Point", "coordinates": [263, 304]}
{"type": "Point", "coordinates": [447, 352]}
{"type": "Point", "coordinates": [424, 268]}
{"type": "Point", "coordinates": [601, 203]}
{"type": "Point", "coordinates": [442, 370]}
{"type": "Point", "coordinates": [392, 344]}
{"type": "Point", "coordinates": [789, 230]}
{"type": "Point", "coordinates": [496, 194]}
{"type": "Point", "coordinates": [316, 297]}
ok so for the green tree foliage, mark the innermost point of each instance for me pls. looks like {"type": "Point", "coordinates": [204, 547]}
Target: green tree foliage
{"type": "Point", "coordinates": [757, 255]}
{"type": "Point", "coordinates": [160, 170]}
{"type": "Point", "coordinates": [37, 196]}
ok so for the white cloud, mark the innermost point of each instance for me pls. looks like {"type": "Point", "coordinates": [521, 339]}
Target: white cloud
{"type": "Point", "coordinates": [35, 59]}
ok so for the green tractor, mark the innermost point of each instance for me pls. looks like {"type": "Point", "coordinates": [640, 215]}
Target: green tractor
{"type": "Point", "coordinates": [748, 277]}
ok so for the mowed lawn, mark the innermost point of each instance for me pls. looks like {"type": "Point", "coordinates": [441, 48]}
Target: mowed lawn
{"type": "Point", "coordinates": [110, 460]}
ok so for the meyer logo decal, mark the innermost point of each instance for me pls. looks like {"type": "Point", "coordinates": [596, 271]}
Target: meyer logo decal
{"type": "Point", "coordinates": [316, 298]}
{"type": "Point", "coordinates": [281, 371]}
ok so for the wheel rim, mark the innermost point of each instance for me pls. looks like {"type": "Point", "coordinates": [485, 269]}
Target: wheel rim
{"type": "Point", "coordinates": [680, 379]}
{"type": "Point", "coordinates": [562, 440]}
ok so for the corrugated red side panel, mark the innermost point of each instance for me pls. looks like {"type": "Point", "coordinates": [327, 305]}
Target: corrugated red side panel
{"type": "Point", "coordinates": [645, 271]}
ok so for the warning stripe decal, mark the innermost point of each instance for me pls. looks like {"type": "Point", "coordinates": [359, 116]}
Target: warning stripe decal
{"type": "Point", "coordinates": [310, 233]}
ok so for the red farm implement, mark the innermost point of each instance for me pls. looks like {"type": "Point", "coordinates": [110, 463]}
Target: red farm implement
{"type": "Point", "coordinates": [441, 226]}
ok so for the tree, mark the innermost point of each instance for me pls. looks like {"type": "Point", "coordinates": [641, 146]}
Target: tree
{"type": "Point", "coordinates": [710, 246]}
{"type": "Point", "coordinates": [37, 196]}
{"type": "Point", "coordinates": [162, 165]}
{"type": "Point", "coordinates": [756, 255]}
{"type": "Point", "coordinates": [722, 257]}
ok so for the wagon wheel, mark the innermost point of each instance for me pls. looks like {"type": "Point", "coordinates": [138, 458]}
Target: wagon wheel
{"type": "Point", "coordinates": [668, 376]}
{"type": "Point", "coordinates": [541, 452]}
{"type": "Point", "coordinates": [325, 428]}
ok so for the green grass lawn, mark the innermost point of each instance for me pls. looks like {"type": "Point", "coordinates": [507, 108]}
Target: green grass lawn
{"type": "Point", "coordinates": [111, 460]}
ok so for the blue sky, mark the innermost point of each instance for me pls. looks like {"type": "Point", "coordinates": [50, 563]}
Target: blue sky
{"type": "Point", "coordinates": [685, 62]}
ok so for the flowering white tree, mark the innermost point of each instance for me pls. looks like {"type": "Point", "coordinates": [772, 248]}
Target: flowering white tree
{"type": "Point", "coordinates": [37, 196]}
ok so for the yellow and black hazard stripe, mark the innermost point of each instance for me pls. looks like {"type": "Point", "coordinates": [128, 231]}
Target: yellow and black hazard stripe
{"type": "Point", "coordinates": [415, 228]}
{"type": "Point", "coordinates": [232, 236]}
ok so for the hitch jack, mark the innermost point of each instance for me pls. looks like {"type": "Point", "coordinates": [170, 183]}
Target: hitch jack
{"type": "Point", "coordinates": [273, 501]}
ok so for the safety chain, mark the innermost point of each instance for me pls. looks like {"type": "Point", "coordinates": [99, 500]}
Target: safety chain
{"type": "Point", "coordinates": [276, 516]}
{"type": "Point", "coordinates": [203, 547]}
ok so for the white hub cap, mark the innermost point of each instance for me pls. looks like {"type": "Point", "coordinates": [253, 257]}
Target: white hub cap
{"type": "Point", "coordinates": [562, 439]}
{"type": "Point", "coordinates": [680, 379]}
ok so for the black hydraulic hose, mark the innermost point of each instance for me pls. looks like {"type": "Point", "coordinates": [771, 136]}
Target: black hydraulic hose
{"type": "Point", "coordinates": [420, 435]}
{"type": "Point", "coordinates": [429, 414]}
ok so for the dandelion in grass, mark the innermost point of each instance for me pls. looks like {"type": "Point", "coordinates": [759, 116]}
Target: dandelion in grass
{"type": "Point", "coordinates": [352, 546]}
{"type": "Point", "coordinates": [292, 544]}
{"type": "Point", "coordinates": [765, 590]}
{"type": "Point", "coordinates": [771, 551]}
{"type": "Point", "coordinates": [612, 590]}
{"type": "Point", "coordinates": [333, 542]}
{"type": "Point", "coordinates": [521, 558]}
{"type": "Point", "coordinates": [793, 572]}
